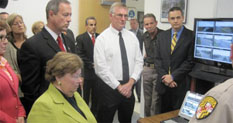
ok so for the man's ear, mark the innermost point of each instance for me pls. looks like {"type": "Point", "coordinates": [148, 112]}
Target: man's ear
{"type": "Point", "coordinates": [51, 13]}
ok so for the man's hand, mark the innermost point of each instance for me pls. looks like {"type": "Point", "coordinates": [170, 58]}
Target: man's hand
{"type": "Point", "coordinates": [167, 79]}
{"type": "Point", "coordinates": [126, 89]}
{"type": "Point", "coordinates": [173, 84]}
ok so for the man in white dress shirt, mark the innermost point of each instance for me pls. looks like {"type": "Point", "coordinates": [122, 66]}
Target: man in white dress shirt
{"type": "Point", "coordinates": [109, 59]}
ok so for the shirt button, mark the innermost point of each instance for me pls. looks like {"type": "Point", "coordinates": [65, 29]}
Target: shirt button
{"type": "Point", "coordinates": [16, 107]}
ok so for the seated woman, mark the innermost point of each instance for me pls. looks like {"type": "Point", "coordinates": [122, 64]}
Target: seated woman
{"type": "Point", "coordinates": [61, 103]}
{"type": "Point", "coordinates": [11, 109]}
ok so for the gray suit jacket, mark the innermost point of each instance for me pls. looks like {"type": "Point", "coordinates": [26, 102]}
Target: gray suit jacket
{"type": "Point", "coordinates": [140, 38]}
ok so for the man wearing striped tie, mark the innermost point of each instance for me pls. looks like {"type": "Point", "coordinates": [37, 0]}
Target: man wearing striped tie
{"type": "Point", "coordinates": [173, 61]}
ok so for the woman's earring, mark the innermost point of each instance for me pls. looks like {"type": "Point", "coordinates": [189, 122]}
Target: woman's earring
{"type": "Point", "coordinates": [59, 83]}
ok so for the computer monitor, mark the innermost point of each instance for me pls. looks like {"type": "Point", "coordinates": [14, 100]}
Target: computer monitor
{"type": "Point", "coordinates": [213, 37]}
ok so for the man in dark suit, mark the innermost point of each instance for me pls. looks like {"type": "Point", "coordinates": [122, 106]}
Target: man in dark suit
{"type": "Point", "coordinates": [85, 46]}
{"type": "Point", "coordinates": [38, 49]}
{"type": "Point", "coordinates": [173, 66]}
{"type": "Point", "coordinates": [138, 32]}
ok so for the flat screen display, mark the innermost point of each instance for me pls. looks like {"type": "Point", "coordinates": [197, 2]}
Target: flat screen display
{"type": "Point", "coordinates": [213, 38]}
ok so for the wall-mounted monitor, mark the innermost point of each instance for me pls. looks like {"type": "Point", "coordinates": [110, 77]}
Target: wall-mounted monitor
{"type": "Point", "coordinates": [213, 37]}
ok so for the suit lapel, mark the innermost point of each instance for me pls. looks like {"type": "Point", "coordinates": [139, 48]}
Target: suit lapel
{"type": "Point", "coordinates": [180, 41]}
{"type": "Point", "coordinates": [13, 84]}
{"type": "Point", "coordinates": [71, 112]}
{"type": "Point", "coordinates": [89, 41]}
{"type": "Point", "coordinates": [67, 108]}
{"type": "Point", "coordinates": [169, 43]}
{"type": "Point", "coordinates": [65, 38]}
{"type": "Point", "coordinates": [51, 42]}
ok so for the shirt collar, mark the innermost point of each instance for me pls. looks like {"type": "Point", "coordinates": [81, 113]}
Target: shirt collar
{"type": "Point", "coordinates": [178, 33]}
{"type": "Point", "coordinates": [52, 33]}
{"type": "Point", "coordinates": [90, 34]}
{"type": "Point", "coordinates": [116, 31]}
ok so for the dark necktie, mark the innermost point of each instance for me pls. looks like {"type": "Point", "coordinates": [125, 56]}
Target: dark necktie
{"type": "Point", "coordinates": [60, 43]}
{"type": "Point", "coordinates": [93, 38]}
{"type": "Point", "coordinates": [125, 66]}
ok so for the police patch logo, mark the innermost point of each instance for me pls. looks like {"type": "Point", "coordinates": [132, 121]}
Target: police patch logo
{"type": "Point", "coordinates": [206, 107]}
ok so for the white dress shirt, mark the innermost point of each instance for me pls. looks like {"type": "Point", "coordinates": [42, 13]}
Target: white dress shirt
{"type": "Point", "coordinates": [107, 56]}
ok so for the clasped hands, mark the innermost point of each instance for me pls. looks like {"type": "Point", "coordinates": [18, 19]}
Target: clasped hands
{"type": "Point", "coordinates": [168, 81]}
{"type": "Point", "coordinates": [126, 89]}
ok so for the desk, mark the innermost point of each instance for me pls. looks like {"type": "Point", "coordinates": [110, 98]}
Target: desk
{"type": "Point", "coordinates": [159, 117]}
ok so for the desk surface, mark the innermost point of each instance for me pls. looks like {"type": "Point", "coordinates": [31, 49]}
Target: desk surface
{"type": "Point", "coordinates": [159, 117]}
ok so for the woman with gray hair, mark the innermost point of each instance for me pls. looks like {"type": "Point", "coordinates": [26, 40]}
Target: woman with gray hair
{"type": "Point", "coordinates": [61, 103]}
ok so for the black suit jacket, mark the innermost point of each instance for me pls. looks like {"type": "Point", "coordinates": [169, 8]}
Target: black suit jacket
{"type": "Point", "coordinates": [180, 62]}
{"type": "Point", "coordinates": [70, 34]}
{"type": "Point", "coordinates": [85, 50]}
{"type": "Point", "coordinates": [33, 55]}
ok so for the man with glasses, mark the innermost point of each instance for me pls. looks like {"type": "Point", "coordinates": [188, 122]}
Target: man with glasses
{"type": "Point", "coordinates": [118, 62]}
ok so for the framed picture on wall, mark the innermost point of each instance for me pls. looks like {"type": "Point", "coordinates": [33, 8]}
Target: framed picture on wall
{"type": "Point", "coordinates": [140, 19]}
{"type": "Point", "coordinates": [167, 4]}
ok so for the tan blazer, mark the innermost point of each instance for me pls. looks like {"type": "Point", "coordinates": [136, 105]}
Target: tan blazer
{"type": "Point", "coordinates": [52, 107]}
{"type": "Point", "coordinates": [223, 112]}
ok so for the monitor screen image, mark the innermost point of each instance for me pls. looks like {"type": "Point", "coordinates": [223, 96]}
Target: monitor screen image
{"type": "Point", "coordinates": [213, 38]}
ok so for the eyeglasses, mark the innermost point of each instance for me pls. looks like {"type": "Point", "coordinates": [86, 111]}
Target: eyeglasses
{"type": "Point", "coordinates": [121, 16]}
{"type": "Point", "coordinates": [3, 38]}
{"type": "Point", "coordinates": [18, 23]}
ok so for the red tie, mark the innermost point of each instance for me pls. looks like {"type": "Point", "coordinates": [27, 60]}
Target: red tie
{"type": "Point", "coordinates": [60, 43]}
{"type": "Point", "coordinates": [93, 39]}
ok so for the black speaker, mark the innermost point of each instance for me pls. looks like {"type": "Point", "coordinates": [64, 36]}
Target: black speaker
{"type": "Point", "coordinates": [3, 3]}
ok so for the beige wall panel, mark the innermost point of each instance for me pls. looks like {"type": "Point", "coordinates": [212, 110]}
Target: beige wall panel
{"type": "Point", "coordinates": [93, 8]}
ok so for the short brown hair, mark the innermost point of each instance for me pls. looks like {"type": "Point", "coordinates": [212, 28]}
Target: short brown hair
{"type": "Point", "coordinates": [4, 26]}
{"type": "Point", "coordinates": [61, 64]}
{"type": "Point", "coordinates": [149, 15]}
{"type": "Point", "coordinates": [176, 9]}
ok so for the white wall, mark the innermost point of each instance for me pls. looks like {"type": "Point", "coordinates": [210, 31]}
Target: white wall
{"type": "Point", "coordinates": [34, 10]}
{"type": "Point", "coordinates": [195, 9]}
{"type": "Point", "coordinates": [224, 8]}
{"type": "Point", "coordinates": [138, 4]}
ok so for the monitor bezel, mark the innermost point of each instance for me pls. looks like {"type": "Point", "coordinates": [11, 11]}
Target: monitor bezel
{"type": "Point", "coordinates": [218, 64]}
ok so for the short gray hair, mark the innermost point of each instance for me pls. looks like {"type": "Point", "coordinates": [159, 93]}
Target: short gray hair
{"type": "Point", "coordinates": [116, 4]}
{"type": "Point", "coordinates": [53, 5]}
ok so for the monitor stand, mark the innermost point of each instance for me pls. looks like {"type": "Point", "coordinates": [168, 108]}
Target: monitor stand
{"type": "Point", "coordinates": [216, 70]}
